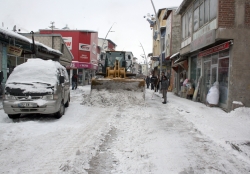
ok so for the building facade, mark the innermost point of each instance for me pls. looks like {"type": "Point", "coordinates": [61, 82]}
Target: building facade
{"type": "Point", "coordinates": [55, 41]}
{"type": "Point", "coordinates": [83, 45]}
{"type": "Point", "coordinates": [214, 41]}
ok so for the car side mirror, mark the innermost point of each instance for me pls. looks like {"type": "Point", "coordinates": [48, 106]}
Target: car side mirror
{"type": "Point", "coordinates": [61, 79]}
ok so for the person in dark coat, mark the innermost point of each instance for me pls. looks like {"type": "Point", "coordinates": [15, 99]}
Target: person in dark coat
{"type": "Point", "coordinates": [147, 81]}
{"type": "Point", "coordinates": [152, 81]}
{"type": "Point", "coordinates": [162, 74]}
{"type": "Point", "coordinates": [156, 84]}
{"type": "Point", "coordinates": [74, 81]}
{"type": "Point", "coordinates": [164, 88]}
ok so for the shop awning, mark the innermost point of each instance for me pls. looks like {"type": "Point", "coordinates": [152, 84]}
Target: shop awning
{"type": "Point", "coordinates": [175, 55]}
{"type": "Point", "coordinates": [183, 64]}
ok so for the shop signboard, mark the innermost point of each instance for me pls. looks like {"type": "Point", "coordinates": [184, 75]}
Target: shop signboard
{"type": "Point", "coordinates": [215, 49]}
{"type": "Point", "coordinates": [68, 42]}
{"type": "Point", "coordinates": [14, 50]}
{"type": "Point", "coordinates": [82, 65]}
{"type": "Point", "coordinates": [84, 47]}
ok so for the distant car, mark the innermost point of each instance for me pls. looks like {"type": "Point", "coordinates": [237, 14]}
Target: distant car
{"type": "Point", "coordinates": [37, 86]}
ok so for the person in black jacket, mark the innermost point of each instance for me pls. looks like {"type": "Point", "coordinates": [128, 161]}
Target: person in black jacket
{"type": "Point", "coordinates": [147, 81]}
{"type": "Point", "coordinates": [152, 81]}
{"type": "Point", "coordinates": [162, 74]}
{"type": "Point", "coordinates": [164, 87]}
{"type": "Point", "coordinates": [74, 81]}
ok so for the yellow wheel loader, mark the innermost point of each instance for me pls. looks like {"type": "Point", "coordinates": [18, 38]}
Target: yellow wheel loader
{"type": "Point", "coordinates": [115, 73]}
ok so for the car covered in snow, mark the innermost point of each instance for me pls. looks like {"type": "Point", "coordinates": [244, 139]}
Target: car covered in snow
{"type": "Point", "coordinates": [37, 87]}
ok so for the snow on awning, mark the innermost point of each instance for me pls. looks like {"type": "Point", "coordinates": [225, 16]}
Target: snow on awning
{"type": "Point", "coordinates": [174, 55]}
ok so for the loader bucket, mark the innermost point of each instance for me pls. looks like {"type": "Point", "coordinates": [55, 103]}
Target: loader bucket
{"type": "Point", "coordinates": [118, 83]}
{"type": "Point", "coordinates": [133, 85]}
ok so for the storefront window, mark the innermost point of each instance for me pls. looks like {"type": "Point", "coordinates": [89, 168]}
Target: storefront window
{"type": "Point", "coordinates": [80, 82]}
{"type": "Point", "coordinates": [193, 69]}
{"type": "Point", "coordinates": [223, 79]}
{"type": "Point", "coordinates": [214, 58]}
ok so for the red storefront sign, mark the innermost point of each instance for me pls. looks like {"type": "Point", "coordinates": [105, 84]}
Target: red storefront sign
{"type": "Point", "coordinates": [215, 49]}
{"type": "Point", "coordinates": [82, 65]}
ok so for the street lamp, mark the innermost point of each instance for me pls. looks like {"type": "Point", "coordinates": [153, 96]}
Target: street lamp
{"type": "Point", "coordinates": [107, 35]}
{"type": "Point", "coordinates": [159, 33]}
{"type": "Point", "coordinates": [145, 59]}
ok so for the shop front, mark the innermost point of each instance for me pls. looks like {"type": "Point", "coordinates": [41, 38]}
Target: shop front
{"type": "Point", "coordinates": [85, 71]}
{"type": "Point", "coordinates": [180, 67]}
{"type": "Point", "coordinates": [215, 68]}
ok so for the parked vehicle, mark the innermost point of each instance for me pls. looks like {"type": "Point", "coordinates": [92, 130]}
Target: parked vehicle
{"type": "Point", "coordinates": [37, 87]}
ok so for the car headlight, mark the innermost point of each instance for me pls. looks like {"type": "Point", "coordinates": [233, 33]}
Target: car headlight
{"type": "Point", "coordinates": [50, 97]}
{"type": "Point", "coordinates": [9, 97]}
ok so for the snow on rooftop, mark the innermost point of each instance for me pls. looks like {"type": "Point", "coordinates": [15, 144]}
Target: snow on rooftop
{"type": "Point", "coordinates": [23, 38]}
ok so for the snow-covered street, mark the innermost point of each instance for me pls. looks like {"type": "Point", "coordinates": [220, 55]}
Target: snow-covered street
{"type": "Point", "coordinates": [120, 133]}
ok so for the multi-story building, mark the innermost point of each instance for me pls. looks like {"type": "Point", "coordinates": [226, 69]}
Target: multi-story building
{"type": "Point", "coordinates": [215, 41]}
{"type": "Point", "coordinates": [83, 45]}
{"type": "Point", "coordinates": [106, 44]}
{"type": "Point", "coordinates": [172, 44]}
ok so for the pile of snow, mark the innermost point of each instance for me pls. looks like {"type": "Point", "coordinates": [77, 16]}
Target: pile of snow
{"type": "Point", "coordinates": [114, 98]}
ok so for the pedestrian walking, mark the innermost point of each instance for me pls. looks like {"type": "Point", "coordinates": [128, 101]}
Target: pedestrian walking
{"type": "Point", "coordinates": [162, 74]}
{"type": "Point", "coordinates": [152, 81]}
{"type": "Point", "coordinates": [156, 84]}
{"type": "Point", "coordinates": [74, 81]}
{"type": "Point", "coordinates": [147, 81]}
{"type": "Point", "coordinates": [164, 88]}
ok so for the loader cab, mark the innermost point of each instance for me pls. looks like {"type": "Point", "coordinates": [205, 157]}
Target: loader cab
{"type": "Point", "coordinates": [112, 56]}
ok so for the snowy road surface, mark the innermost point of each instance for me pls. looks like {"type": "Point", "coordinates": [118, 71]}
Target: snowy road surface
{"type": "Point", "coordinates": [116, 134]}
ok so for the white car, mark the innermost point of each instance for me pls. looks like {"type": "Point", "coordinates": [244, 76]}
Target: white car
{"type": "Point", "coordinates": [37, 86]}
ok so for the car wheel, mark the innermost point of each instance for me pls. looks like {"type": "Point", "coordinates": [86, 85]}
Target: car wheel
{"type": "Point", "coordinates": [67, 104]}
{"type": "Point", "coordinates": [14, 116]}
{"type": "Point", "coordinates": [60, 113]}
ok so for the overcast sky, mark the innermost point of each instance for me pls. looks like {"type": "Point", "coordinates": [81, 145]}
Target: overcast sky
{"type": "Point", "coordinates": [126, 16]}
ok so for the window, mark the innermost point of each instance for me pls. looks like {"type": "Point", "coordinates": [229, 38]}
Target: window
{"type": "Point", "coordinates": [190, 21]}
{"type": "Point", "coordinates": [206, 17]}
{"type": "Point", "coordinates": [201, 15]}
{"type": "Point", "coordinates": [187, 24]}
{"type": "Point", "coordinates": [213, 9]}
{"type": "Point", "coordinates": [183, 27]}
{"type": "Point", "coordinates": [196, 19]}
{"type": "Point", "coordinates": [204, 11]}
{"type": "Point", "coordinates": [196, 4]}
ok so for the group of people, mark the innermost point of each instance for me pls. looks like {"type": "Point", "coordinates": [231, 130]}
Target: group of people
{"type": "Point", "coordinates": [155, 82]}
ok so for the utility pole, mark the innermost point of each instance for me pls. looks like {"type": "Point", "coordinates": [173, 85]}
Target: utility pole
{"type": "Point", "coordinates": [145, 59]}
{"type": "Point", "coordinates": [106, 36]}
